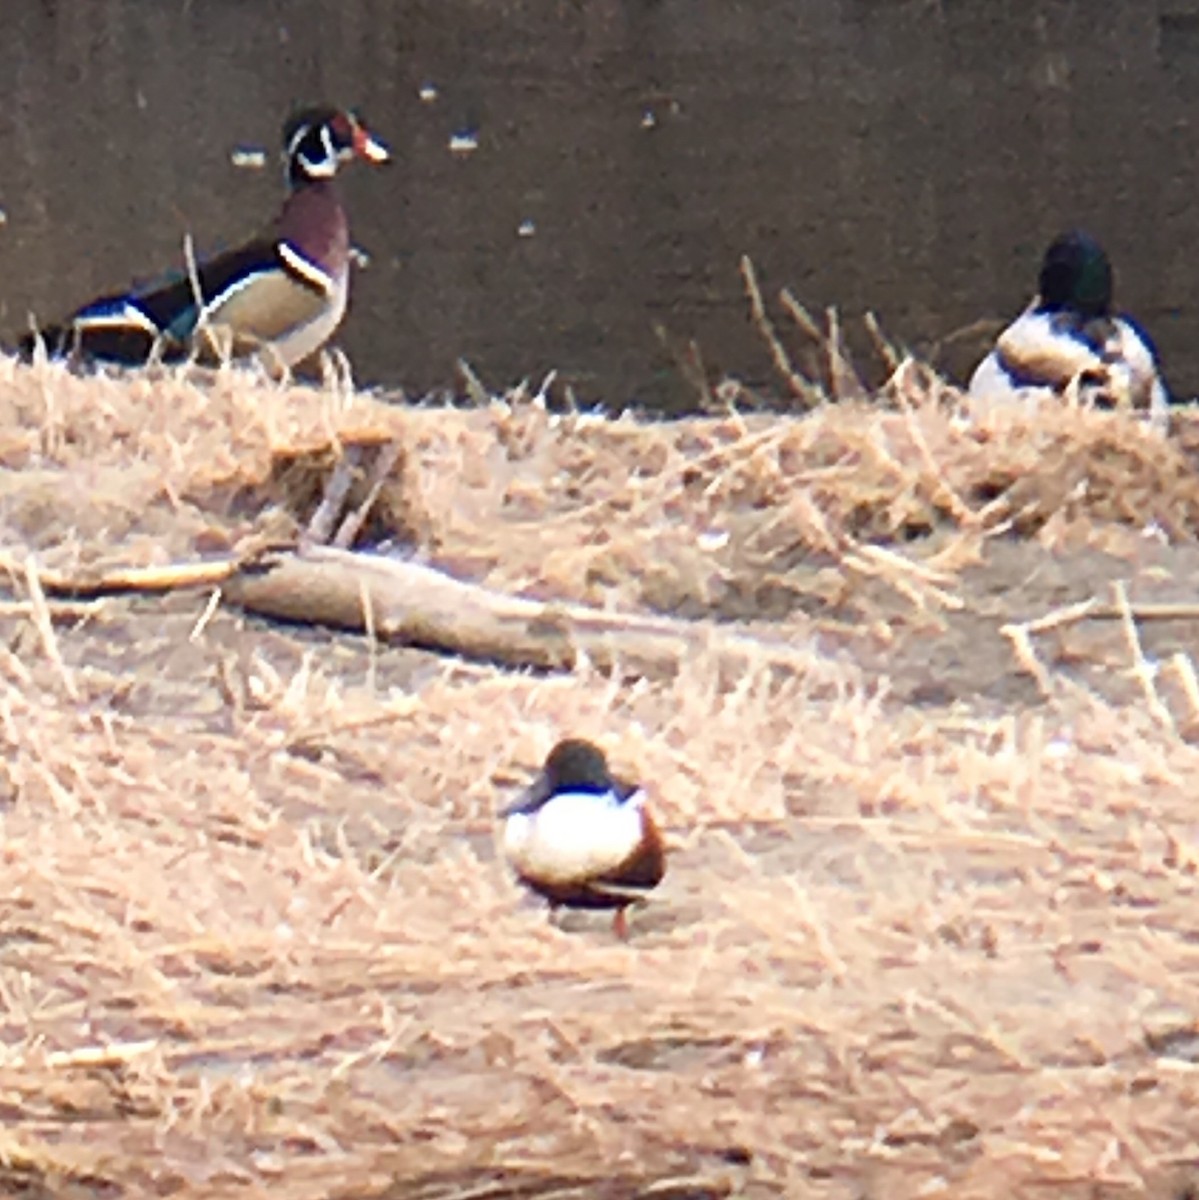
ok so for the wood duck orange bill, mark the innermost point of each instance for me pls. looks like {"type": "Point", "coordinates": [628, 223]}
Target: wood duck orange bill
{"type": "Point", "coordinates": [581, 838]}
{"type": "Point", "coordinates": [282, 294]}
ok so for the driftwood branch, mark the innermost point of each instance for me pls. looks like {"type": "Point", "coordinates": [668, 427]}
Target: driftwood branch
{"type": "Point", "coordinates": [408, 603]}
{"type": "Point", "coordinates": [412, 604]}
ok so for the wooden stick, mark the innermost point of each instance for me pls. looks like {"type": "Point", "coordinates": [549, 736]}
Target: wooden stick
{"type": "Point", "coordinates": [337, 488]}
{"type": "Point", "coordinates": [385, 462]}
{"type": "Point", "coordinates": [843, 379]}
{"type": "Point", "coordinates": [112, 1054]}
{"type": "Point", "coordinates": [1092, 610]}
{"type": "Point", "coordinates": [1026, 656]}
{"type": "Point", "coordinates": [801, 388]}
{"type": "Point", "coordinates": [1184, 669]}
{"type": "Point", "coordinates": [94, 585]}
{"type": "Point", "coordinates": [412, 604]}
{"type": "Point", "coordinates": [40, 616]}
{"type": "Point", "coordinates": [1144, 671]}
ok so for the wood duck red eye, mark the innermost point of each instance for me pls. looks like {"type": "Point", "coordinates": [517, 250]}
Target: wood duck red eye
{"type": "Point", "coordinates": [343, 128]}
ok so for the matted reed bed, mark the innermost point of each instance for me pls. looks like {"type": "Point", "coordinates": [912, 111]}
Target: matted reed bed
{"type": "Point", "coordinates": [928, 923]}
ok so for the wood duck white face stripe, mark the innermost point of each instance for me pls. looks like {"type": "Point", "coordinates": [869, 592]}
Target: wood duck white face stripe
{"type": "Point", "coordinates": [287, 292]}
{"type": "Point", "coordinates": [324, 167]}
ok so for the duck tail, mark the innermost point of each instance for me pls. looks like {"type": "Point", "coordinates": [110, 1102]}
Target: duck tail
{"type": "Point", "coordinates": [115, 329]}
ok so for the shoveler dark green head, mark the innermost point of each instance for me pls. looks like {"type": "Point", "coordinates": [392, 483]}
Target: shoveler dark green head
{"type": "Point", "coordinates": [576, 765]}
{"type": "Point", "coordinates": [1076, 275]}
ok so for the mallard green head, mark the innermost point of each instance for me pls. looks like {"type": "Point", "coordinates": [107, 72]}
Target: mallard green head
{"type": "Point", "coordinates": [1076, 275]}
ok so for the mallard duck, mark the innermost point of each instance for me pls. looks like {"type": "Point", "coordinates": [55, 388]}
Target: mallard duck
{"type": "Point", "coordinates": [282, 294]}
{"type": "Point", "coordinates": [1069, 337]}
{"type": "Point", "coordinates": [581, 838]}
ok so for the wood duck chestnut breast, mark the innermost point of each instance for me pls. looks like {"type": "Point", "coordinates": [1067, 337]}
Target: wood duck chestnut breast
{"type": "Point", "coordinates": [281, 295]}
{"type": "Point", "coordinates": [581, 838]}
{"type": "Point", "coordinates": [1069, 337]}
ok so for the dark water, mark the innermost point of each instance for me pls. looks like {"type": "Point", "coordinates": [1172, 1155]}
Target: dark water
{"type": "Point", "coordinates": [907, 156]}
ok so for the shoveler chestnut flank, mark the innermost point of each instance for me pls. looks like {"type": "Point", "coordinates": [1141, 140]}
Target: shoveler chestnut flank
{"type": "Point", "coordinates": [282, 294]}
{"type": "Point", "coordinates": [1069, 336]}
{"type": "Point", "coordinates": [582, 838]}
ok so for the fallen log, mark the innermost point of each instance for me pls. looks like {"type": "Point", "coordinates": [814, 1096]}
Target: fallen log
{"type": "Point", "coordinates": [409, 603]}
{"type": "Point", "coordinates": [402, 602]}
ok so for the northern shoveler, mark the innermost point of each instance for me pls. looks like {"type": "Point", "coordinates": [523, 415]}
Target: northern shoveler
{"type": "Point", "coordinates": [582, 838]}
{"type": "Point", "coordinates": [1069, 337]}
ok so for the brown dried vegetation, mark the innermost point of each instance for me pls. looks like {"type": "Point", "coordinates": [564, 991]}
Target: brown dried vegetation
{"type": "Point", "coordinates": [928, 922]}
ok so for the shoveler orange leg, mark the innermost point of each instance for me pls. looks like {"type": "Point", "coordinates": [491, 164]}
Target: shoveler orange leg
{"type": "Point", "coordinates": [620, 925]}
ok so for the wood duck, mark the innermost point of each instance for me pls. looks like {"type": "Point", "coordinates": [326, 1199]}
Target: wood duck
{"type": "Point", "coordinates": [1069, 335]}
{"type": "Point", "coordinates": [581, 838]}
{"type": "Point", "coordinates": [282, 294]}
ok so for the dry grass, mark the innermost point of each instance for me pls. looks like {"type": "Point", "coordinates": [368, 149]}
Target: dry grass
{"type": "Point", "coordinates": [260, 939]}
